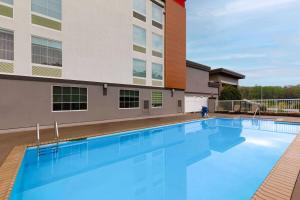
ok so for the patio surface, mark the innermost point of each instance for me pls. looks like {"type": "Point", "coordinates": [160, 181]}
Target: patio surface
{"type": "Point", "coordinates": [9, 141]}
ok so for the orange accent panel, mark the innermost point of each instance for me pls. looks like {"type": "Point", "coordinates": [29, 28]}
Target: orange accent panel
{"type": "Point", "coordinates": [175, 45]}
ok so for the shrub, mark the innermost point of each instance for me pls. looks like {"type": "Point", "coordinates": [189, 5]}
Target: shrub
{"type": "Point", "coordinates": [230, 93]}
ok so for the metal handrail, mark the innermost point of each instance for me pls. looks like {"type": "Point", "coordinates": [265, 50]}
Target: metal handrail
{"type": "Point", "coordinates": [38, 136]}
{"type": "Point", "coordinates": [56, 133]}
{"type": "Point", "coordinates": [255, 113]}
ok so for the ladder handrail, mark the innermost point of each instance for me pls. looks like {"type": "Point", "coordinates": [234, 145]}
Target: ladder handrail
{"type": "Point", "coordinates": [56, 130]}
{"type": "Point", "coordinates": [38, 135]}
{"type": "Point", "coordinates": [56, 133]}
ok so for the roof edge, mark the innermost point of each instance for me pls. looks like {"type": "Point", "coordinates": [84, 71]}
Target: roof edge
{"type": "Point", "coordinates": [227, 72]}
{"type": "Point", "coordinates": [197, 66]}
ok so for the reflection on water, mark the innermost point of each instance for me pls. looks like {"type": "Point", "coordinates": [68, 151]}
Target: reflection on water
{"type": "Point", "coordinates": [150, 164]}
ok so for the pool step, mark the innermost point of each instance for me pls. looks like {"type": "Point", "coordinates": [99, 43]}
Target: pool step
{"type": "Point", "coordinates": [53, 149]}
{"type": "Point", "coordinates": [47, 150]}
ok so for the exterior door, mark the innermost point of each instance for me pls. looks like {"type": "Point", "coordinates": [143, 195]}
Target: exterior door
{"type": "Point", "coordinates": [195, 103]}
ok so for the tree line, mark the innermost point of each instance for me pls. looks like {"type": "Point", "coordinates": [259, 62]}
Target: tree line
{"type": "Point", "coordinates": [270, 92]}
{"type": "Point", "coordinates": [258, 92]}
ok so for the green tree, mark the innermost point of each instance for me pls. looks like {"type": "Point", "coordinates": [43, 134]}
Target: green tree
{"type": "Point", "coordinates": [270, 92]}
{"type": "Point", "coordinates": [230, 93]}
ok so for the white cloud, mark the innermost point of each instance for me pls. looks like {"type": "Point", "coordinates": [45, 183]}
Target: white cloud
{"type": "Point", "coordinates": [233, 57]}
{"type": "Point", "coordinates": [240, 6]}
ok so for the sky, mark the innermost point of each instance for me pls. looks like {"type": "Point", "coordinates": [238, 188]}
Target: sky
{"type": "Point", "coordinates": [258, 38]}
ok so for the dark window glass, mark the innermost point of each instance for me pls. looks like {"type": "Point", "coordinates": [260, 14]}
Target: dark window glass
{"type": "Point", "coordinates": [57, 98]}
{"type": "Point", "coordinates": [129, 99]}
{"type": "Point", "coordinates": [57, 90]}
{"type": "Point", "coordinates": [57, 106]}
{"type": "Point", "coordinates": [6, 45]}
{"type": "Point", "coordinates": [69, 98]}
{"type": "Point", "coordinates": [66, 106]}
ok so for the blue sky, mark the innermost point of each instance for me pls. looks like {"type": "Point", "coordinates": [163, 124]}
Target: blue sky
{"type": "Point", "coordinates": [259, 38]}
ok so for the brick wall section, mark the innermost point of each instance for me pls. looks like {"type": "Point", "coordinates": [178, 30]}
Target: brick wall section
{"type": "Point", "coordinates": [175, 45]}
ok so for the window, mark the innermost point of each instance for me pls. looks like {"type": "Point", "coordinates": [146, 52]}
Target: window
{"type": "Point", "coordinates": [6, 45]}
{"type": "Point", "coordinates": [139, 68]}
{"type": "Point", "coordinates": [69, 98]}
{"type": "Point", "coordinates": [50, 8]}
{"type": "Point", "coordinates": [139, 6]}
{"type": "Point", "coordinates": [129, 99]}
{"type": "Point", "coordinates": [10, 2]}
{"type": "Point", "coordinates": [157, 13]}
{"type": "Point", "coordinates": [139, 36]}
{"type": "Point", "coordinates": [157, 99]}
{"type": "Point", "coordinates": [157, 71]}
{"type": "Point", "coordinates": [157, 43]}
{"type": "Point", "coordinates": [46, 52]}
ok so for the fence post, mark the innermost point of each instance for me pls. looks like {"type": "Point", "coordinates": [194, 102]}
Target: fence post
{"type": "Point", "coordinates": [232, 106]}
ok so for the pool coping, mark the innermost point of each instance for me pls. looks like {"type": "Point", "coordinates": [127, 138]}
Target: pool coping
{"type": "Point", "coordinates": [9, 170]}
{"type": "Point", "coordinates": [281, 181]}
{"type": "Point", "coordinates": [279, 184]}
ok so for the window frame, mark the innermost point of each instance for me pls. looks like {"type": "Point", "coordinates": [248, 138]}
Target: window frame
{"type": "Point", "coordinates": [162, 100]}
{"type": "Point", "coordinates": [134, 108]}
{"type": "Point", "coordinates": [145, 68]}
{"type": "Point", "coordinates": [162, 14]}
{"type": "Point", "coordinates": [43, 65]}
{"type": "Point", "coordinates": [64, 111]}
{"type": "Point", "coordinates": [162, 73]}
{"type": "Point", "coordinates": [46, 16]}
{"type": "Point", "coordinates": [144, 46]}
{"type": "Point", "coordinates": [13, 52]}
{"type": "Point", "coordinates": [163, 44]}
{"type": "Point", "coordinates": [145, 15]}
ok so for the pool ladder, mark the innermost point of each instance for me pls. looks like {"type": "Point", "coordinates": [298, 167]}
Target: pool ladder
{"type": "Point", "coordinates": [256, 111]}
{"type": "Point", "coordinates": [38, 143]}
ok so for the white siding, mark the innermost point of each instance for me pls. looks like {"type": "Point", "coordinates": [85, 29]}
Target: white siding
{"type": "Point", "coordinates": [96, 39]}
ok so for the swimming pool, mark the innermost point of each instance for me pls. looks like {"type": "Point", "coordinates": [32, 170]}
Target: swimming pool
{"type": "Point", "coordinates": [206, 159]}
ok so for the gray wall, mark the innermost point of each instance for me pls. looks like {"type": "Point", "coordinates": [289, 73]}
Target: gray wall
{"type": "Point", "coordinates": [197, 82]}
{"type": "Point", "coordinates": [225, 78]}
{"type": "Point", "coordinates": [212, 105]}
{"type": "Point", "coordinates": [24, 103]}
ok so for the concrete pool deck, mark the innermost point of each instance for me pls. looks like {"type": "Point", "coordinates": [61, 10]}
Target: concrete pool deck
{"type": "Point", "coordinates": [280, 184]}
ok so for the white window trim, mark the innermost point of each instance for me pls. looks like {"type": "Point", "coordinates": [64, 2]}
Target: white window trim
{"type": "Point", "coordinates": [136, 108]}
{"type": "Point", "coordinates": [64, 111]}
{"type": "Point", "coordinates": [144, 78]}
{"type": "Point", "coordinates": [45, 16]}
{"type": "Point", "coordinates": [7, 61]}
{"type": "Point", "coordinates": [162, 100]}
{"type": "Point", "coordinates": [6, 4]}
{"type": "Point", "coordinates": [48, 66]}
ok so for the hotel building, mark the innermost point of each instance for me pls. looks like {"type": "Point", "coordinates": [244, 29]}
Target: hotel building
{"type": "Point", "coordinates": [92, 60]}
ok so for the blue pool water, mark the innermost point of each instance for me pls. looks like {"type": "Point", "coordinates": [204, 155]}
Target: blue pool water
{"type": "Point", "coordinates": [209, 159]}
